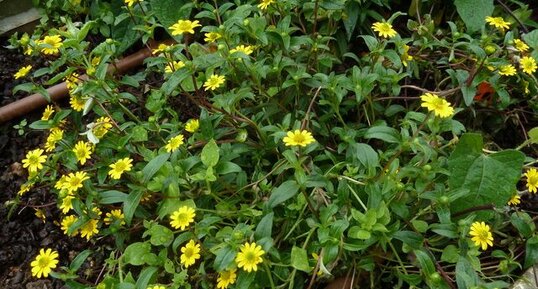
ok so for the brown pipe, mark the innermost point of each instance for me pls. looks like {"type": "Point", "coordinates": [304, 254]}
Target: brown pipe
{"type": "Point", "coordinates": [60, 91]}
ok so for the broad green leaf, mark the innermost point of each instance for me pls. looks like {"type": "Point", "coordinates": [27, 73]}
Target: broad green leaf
{"type": "Point", "coordinates": [474, 12]}
{"type": "Point", "coordinates": [285, 191]}
{"type": "Point", "coordinates": [154, 166]}
{"type": "Point", "coordinates": [210, 154]}
{"type": "Point", "coordinates": [130, 205]}
{"type": "Point", "coordinates": [490, 179]}
{"type": "Point", "coordinates": [160, 235]}
{"type": "Point", "coordinates": [79, 260]}
{"type": "Point", "coordinates": [112, 197]}
{"type": "Point", "coordinates": [169, 12]}
{"type": "Point", "coordinates": [410, 238]}
{"type": "Point", "coordinates": [466, 276]}
{"type": "Point", "coordinates": [531, 252]}
{"type": "Point", "coordinates": [383, 133]}
{"type": "Point", "coordinates": [352, 16]}
{"type": "Point", "coordinates": [356, 232]}
{"type": "Point", "coordinates": [174, 80]}
{"type": "Point", "coordinates": [244, 279]}
{"type": "Point", "coordinates": [299, 259]}
{"type": "Point", "coordinates": [425, 261]}
{"type": "Point", "coordinates": [531, 38]}
{"type": "Point", "coordinates": [533, 135]}
{"type": "Point", "coordinates": [265, 227]}
{"type": "Point", "coordinates": [224, 258]}
{"type": "Point", "coordinates": [363, 154]}
{"type": "Point", "coordinates": [450, 254]}
{"type": "Point", "coordinates": [135, 252]}
{"type": "Point", "coordinates": [523, 223]}
{"type": "Point", "coordinates": [171, 200]}
{"type": "Point", "coordinates": [145, 276]}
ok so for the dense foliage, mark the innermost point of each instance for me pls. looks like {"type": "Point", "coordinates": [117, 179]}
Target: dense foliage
{"type": "Point", "coordinates": [286, 143]}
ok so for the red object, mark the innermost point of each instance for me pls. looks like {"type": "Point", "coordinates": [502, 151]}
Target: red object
{"type": "Point", "coordinates": [484, 91]}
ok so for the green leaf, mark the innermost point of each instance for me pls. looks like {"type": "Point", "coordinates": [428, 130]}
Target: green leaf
{"type": "Point", "coordinates": [139, 134]}
{"type": "Point", "coordinates": [79, 260]}
{"type": "Point", "coordinates": [167, 11]}
{"type": "Point", "coordinates": [490, 179]}
{"type": "Point", "coordinates": [410, 238]}
{"type": "Point", "coordinates": [171, 200]}
{"type": "Point", "coordinates": [383, 133]}
{"type": "Point", "coordinates": [285, 191]}
{"type": "Point", "coordinates": [425, 261]}
{"type": "Point", "coordinates": [450, 254]}
{"type": "Point", "coordinates": [363, 154]}
{"type": "Point", "coordinates": [125, 34]}
{"type": "Point", "coordinates": [533, 135]}
{"type": "Point", "coordinates": [352, 16]}
{"type": "Point", "coordinates": [523, 223]}
{"type": "Point", "coordinates": [531, 252]}
{"type": "Point", "coordinates": [224, 258]}
{"type": "Point", "coordinates": [474, 12]}
{"type": "Point", "coordinates": [531, 38]}
{"type": "Point", "coordinates": [160, 235]}
{"type": "Point", "coordinates": [174, 80]}
{"type": "Point", "coordinates": [244, 279]}
{"type": "Point", "coordinates": [154, 166]}
{"type": "Point", "coordinates": [210, 154]}
{"type": "Point", "coordinates": [466, 276]}
{"type": "Point", "coordinates": [265, 227]}
{"type": "Point", "coordinates": [299, 259]}
{"type": "Point", "coordinates": [145, 276]}
{"type": "Point", "coordinates": [134, 253]}
{"type": "Point", "coordinates": [356, 232]}
{"type": "Point", "coordinates": [130, 205]}
{"type": "Point", "coordinates": [112, 197]}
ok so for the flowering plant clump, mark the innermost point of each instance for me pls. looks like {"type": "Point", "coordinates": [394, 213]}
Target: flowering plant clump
{"type": "Point", "coordinates": [282, 144]}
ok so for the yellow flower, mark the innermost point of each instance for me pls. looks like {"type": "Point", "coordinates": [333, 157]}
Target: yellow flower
{"type": "Point", "coordinates": [181, 218]}
{"type": "Point", "coordinates": [175, 65]}
{"type": "Point", "coordinates": [212, 36]}
{"type": "Point", "coordinates": [507, 70]}
{"type": "Point", "coordinates": [242, 48]}
{"type": "Point", "coordinates": [498, 22]}
{"type": "Point", "coordinates": [67, 222]}
{"type": "Point", "coordinates": [174, 143]}
{"type": "Point", "coordinates": [184, 26]}
{"type": "Point", "coordinates": [226, 278]}
{"type": "Point", "coordinates": [249, 257]}
{"type": "Point", "coordinates": [67, 203]}
{"type": "Point", "coordinates": [40, 214]}
{"type": "Point", "coordinates": [265, 3]}
{"type": "Point", "coordinates": [384, 29]}
{"type": "Point", "coordinates": [49, 110]}
{"type": "Point", "coordinates": [192, 125]}
{"type": "Point", "coordinates": [89, 229]}
{"type": "Point", "coordinates": [156, 287]}
{"type": "Point", "coordinates": [115, 215]}
{"type": "Point", "coordinates": [405, 55]}
{"type": "Point", "coordinates": [72, 81]}
{"type": "Point", "coordinates": [161, 48]}
{"type": "Point", "coordinates": [83, 151]}
{"type": "Point", "coordinates": [481, 235]}
{"type": "Point", "coordinates": [25, 188]}
{"type": "Point", "coordinates": [55, 136]}
{"type": "Point", "coordinates": [60, 184]}
{"type": "Point", "coordinates": [214, 82]}
{"type": "Point", "coordinates": [298, 138]}
{"type": "Point", "coordinates": [73, 181]}
{"type": "Point", "coordinates": [514, 200]}
{"type": "Point", "coordinates": [23, 71]}
{"type": "Point", "coordinates": [51, 44]}
{"type": "Point", "coordinates": [528, 65]}
{"type": "Point", "coordinates": [532, 180]}
{"type": "Point", "coordinates": [520, 45]}
{"type": "Point", "coordinates": [439, 106]}
{"type": "Point", "coordinates": [44, 263]}
{"type": "Point", "coordinates": [102, 126]}
{"type": "Point", "coordinates": [34, 160]}
{"type": "Point", "coordinates": [132, 2]}
{"type": "Point", "coordinates": [191, 253]}
{"type": "Point", "coordinates": [77, 102]}
{"type": "Point", "coordinates": [119, 167]}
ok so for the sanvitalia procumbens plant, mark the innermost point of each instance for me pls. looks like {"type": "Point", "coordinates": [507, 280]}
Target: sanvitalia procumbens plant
{"type": "Point", "coordinates": [306, 160]}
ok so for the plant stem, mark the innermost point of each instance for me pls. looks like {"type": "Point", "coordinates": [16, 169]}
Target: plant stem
{"type": "Point", "coordinates": [268, 271]}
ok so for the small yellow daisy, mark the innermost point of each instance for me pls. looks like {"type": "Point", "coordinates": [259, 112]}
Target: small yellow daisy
{"type": "Point", "coordinates": [119, 167]}
{"type": "Point", "coordinates": [184, 27]}
{"type": "Point", "coordinates": [214, 82]}
{"type": "Point", "coordinates": [23, 71]}
{"type": "Point", "coordinates": [384, 29]}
